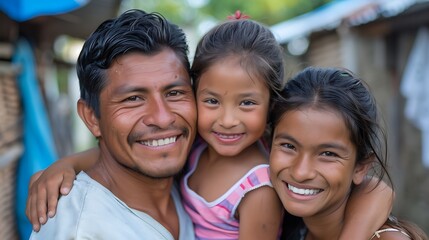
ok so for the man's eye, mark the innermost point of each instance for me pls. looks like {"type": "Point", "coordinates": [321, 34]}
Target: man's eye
{"type": "Point", "coordinates": [174, 93]}
{"type": "Point", "coordinates": [132, 98]}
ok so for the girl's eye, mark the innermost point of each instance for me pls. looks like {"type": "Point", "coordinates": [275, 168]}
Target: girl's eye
{"type": "Point", "coordinates": [247, 103]}
{"type": "Point", "coordinates": [329, 154]}
{"type": "Point", "coordinates": [211, 101]}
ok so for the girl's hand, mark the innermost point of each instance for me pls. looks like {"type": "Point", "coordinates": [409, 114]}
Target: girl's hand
{"type": "Point", "coordinates": [45, 189]}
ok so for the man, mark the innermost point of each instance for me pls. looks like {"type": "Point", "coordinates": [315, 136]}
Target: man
{"type": "Point", "coordinates": [137, 100]}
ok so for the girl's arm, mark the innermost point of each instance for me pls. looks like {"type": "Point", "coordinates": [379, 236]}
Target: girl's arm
{"type": "Point", "coordinates": [261, 214]}
{"type": "Point", "coordinates": [47, 185]}
{"type": "Point", "coordinates": [367, 210]}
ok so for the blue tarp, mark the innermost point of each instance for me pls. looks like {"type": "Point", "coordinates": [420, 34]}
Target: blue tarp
{"type": "Point", "coordinates": [39, 149]}
{"type": "Point", "coordinates": [22, 10]}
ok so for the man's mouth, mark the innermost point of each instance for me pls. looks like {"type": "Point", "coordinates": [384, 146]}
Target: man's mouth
{"type": "Point", "coordinates": [159, 142]}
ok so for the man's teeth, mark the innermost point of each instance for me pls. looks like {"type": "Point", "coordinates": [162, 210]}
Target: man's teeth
{"type": "Point", "coordinates": [159, 142]}
{"type": "Point", "coordinates": [303, 191]}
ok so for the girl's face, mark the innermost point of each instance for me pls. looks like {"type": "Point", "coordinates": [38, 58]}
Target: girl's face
{"type": "Point", "coordinates": [232, 107]}
{"type": "Point", "coordinates": [313, 162]}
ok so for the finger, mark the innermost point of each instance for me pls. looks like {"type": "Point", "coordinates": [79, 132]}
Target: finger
{"type": "Point", "coordinates": [53, 195]}
{"type": "Point", "coordinates": [41, 203]}
{"type": "Point", "coordinates": [32, 213]}
{"type": "Point", "coordinates": [67, 183]}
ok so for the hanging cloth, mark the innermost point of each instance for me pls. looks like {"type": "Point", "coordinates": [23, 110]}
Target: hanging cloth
{"type": "Point", "coordinates": [415, 87]}
{"type": "Point", "coordinates": [39, 149]}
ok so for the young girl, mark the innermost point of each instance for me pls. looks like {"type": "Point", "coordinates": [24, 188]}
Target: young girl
{"type": "Point", "coordinates": [326, 137]}
{"type": "Point", "coordinates": [226, 188]}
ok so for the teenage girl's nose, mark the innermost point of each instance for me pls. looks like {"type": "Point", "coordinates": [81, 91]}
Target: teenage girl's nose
{"type": "Point", "coordinates": [302, 168]}
{"type": "Point", "coordinates": [158, 114]}
{"type": "Point", "coordinates": [228, 118]}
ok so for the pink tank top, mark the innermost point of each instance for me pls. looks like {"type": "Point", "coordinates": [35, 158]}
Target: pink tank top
{"type": "Point", "coordinates": [216, 219]}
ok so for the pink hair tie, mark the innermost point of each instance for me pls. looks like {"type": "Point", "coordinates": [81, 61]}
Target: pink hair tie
{"type": "Point", "coordinates": [238, 15]}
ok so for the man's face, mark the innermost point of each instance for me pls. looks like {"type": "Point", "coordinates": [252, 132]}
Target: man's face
{"type": "Point", "coordinates": [147, 114]}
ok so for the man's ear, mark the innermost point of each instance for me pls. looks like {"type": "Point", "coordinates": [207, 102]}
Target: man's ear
{"type": "Point", "coordinates": [362, 168]}
{"type": "Point", "coordinates": [87, 114]}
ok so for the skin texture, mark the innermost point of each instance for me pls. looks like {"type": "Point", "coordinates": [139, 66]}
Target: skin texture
{"type": "Point", "coordinates": [230, 104]}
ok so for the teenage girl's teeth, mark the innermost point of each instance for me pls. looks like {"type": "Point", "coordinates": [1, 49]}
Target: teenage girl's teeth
{"type": "Point", "coordinates": [303, 191]}
{"type": "Point", "coordinates": [159, 142]}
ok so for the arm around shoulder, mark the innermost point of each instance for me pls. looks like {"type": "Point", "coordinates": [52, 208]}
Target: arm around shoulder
{"type": "Point", "coordinates": [261, 214]}
{"type": "Point", "coordinates": [46, 186]}
{"type": "Point", "coordinates": [367, 209]}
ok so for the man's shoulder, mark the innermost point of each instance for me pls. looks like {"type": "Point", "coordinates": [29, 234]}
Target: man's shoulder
{"type": "Point", "coordinates": [91, 211]}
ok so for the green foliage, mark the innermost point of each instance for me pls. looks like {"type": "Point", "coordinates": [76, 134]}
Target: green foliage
{"type": "Point", "coordinates": [268, 12]}
{"type": "Point", "coordinates": [177, 11]}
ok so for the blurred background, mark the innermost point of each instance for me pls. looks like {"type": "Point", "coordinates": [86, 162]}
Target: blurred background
{"type": "Point", "coordinates": [385, 41]}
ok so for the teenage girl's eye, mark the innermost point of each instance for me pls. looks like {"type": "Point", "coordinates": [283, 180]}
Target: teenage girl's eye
{"type": "Point", "coordinates": [288, 146]}
{"type": "Point", "coordinates": [247, 103]}
{"type": "Point", "coordinates": [329, 154]}
{"type": "Point", "coordinates": [211, 101]}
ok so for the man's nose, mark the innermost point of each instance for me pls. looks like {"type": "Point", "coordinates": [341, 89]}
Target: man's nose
{"type": "Point", "coordinates": [159, 114]}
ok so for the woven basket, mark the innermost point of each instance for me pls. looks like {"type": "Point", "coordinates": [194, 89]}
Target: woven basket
{"type": "Point", "coordinates": [10, 107]}
{"type": "Point", "coordinates": [10, 148]}
{"type": "Point", "coordinates": [8, 163]}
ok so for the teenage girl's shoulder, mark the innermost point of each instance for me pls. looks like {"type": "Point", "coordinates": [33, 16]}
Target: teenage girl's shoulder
{"type": "Point", "coordinates": [389, 233]}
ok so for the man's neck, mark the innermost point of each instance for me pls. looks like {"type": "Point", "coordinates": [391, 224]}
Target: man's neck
{"type": "Point", "coordinates": [138, 191]}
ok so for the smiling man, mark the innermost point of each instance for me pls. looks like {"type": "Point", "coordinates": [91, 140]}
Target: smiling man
{"type": "Point", "coordinates": [137, 100]}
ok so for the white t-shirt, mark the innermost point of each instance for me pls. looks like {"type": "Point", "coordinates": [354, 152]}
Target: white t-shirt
{"type": "Point", "coordinates": [91, 211]}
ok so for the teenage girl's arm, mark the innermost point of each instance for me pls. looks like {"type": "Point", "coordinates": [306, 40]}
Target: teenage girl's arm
{"type": "Point", "coordinates": [367, 210]}
{"type": "Point", "coordinates": [47, 185]}
{"type": "Point", "coordinates": [261, 214]}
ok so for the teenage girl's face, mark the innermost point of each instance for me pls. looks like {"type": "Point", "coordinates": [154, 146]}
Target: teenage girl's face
{"type": "Point", "coordinates": [232, 107]}
{"type": "Point", "coordinates": [313, 162]}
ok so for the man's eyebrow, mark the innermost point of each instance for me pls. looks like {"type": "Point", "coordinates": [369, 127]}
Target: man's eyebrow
{"type": "Point", "coordinates": [136, 88]}
{"type": "Point", "coordinates": [130, 88]}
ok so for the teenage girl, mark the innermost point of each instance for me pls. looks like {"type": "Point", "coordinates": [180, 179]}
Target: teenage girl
{"type": "Point", "coordinates": [238, 67]}
{"type": "Point", "coordinates": [326, 137]}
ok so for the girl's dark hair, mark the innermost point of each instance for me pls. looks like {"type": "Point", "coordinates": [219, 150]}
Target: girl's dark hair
{"type": "Point", "coordinates": [132, 31]}
{"type": "Point", "coordinates": [340, 90]}
{"type": "Point", "coordinates": [255, 45]}
{"type": "Point", "coordinates": [415, 232]}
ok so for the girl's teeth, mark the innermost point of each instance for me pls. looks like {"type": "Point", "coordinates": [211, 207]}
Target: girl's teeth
{"type": "Point", "coordinates": [303, 191]}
